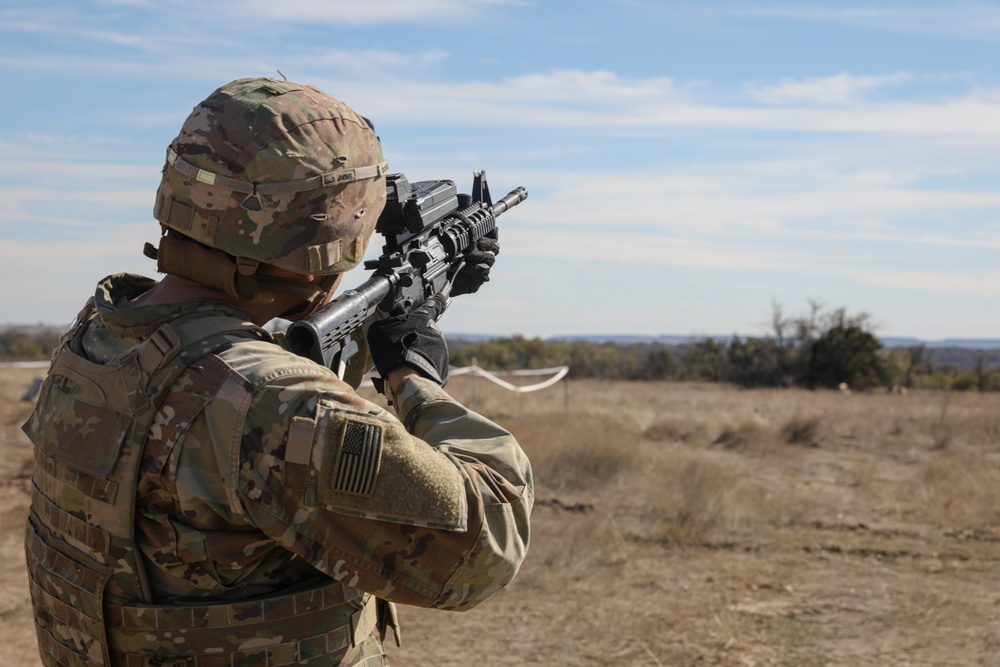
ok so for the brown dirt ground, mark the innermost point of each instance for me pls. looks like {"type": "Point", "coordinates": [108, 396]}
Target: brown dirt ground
{"type": "Point", "coordinates": [684, 524]}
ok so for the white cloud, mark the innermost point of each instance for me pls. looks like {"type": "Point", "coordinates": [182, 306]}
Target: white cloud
{"type": "Point", "coordinates": [984, 283]}
{"type": "Point", "coordinates": [756, 195]}
{"type": "Point", "coordinates": [74, 25]}
{"type": "Point", "coordinates": [69, 193]}
{"type": "Point", "coordinates": [789, 223]}
{"type": "Point", "coordinates": [952, 19]}
{"type": "Point", "coordinates": [606, 102]}
{"type": "Point", "coordinates": [598, 87]}
{"type": "Point", "coordinates": [352, 12]}
{"type": "Point", "coordinates": [377, 79]}
{"type": "Point", "coordinates": [364, 60]}
{"type": "Point", "coordinates": [163, 32]}
{"type": "Point", "coordinates": [839, 89]}
{"type": "Point", "coordinates": [183, 66]}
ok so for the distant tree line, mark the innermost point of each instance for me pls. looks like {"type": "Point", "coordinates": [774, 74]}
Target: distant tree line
{"type": "Point", "coordinates": [28, 344]}
{"type": "Point", "coordinates": [822, 348]}
{"type": "Point", "coordinates": [612, 361]}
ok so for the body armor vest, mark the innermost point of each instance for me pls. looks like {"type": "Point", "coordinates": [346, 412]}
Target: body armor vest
{"type": "Point", "coordinates": [102, 435]}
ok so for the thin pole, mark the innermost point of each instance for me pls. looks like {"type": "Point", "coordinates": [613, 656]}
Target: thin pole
{"type": "Point", "coordinates": [475, 368]}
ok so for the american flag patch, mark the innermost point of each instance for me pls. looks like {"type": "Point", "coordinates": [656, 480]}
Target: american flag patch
{"type": "Point", "coordinates": [360, 451]}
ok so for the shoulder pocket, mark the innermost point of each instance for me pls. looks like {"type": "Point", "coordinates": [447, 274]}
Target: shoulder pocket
{"type": "Point", "coordinates": [372, 467]}
{"type": "Point", "coordinates": [78, 433]}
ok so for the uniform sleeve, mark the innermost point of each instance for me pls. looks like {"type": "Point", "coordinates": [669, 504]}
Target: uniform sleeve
{"type": "Point", "coordinates": [433, 514]}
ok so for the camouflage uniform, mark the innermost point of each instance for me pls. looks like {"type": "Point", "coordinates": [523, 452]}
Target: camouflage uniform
{"type": "Point", "coordinates": [203, 497]}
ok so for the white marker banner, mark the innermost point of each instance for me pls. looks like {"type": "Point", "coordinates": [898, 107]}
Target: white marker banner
{"type": "Point", "coordinates": [557, 373]}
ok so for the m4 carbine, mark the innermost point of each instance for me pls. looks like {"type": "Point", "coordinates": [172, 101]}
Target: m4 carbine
{"type": "Point", "coordinates": [428, 228]}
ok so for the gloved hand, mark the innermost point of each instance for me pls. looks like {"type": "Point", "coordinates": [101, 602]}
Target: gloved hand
{"type": "Point", "coordinates": [478, 263]}
{"type": "Point", "coordinates": [413, 340]}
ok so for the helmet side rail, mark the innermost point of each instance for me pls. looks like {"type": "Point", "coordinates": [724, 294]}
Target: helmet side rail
{"type": "Point", "coordinates": [428, 230]}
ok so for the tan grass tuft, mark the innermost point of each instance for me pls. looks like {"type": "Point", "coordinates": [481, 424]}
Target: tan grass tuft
{"type": "Point", "coordinates": [745, 435]}
{"type": "Point", "coordinates": [956, 489]}
{"type": "Point", "coordinates": [673, 429]}
{"type": "Point", "coordinates": [577, 454]}
{"type": "Point", "coordinates": [802, 430]}
{"type": "Point", "coordinates": [693, 501]}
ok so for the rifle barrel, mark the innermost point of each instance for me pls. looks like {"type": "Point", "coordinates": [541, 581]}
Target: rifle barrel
{"type": "Point", "coordinates": [513, 198]}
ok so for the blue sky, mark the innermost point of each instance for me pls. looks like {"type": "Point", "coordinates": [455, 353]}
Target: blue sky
{"type": "Point", "coordinates": [689, 163]}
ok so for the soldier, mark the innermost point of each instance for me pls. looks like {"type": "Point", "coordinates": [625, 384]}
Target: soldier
{"type": "Point", "coordinates": [203, 497]}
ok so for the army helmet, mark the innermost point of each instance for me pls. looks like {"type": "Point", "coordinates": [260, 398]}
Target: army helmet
{"type": "Point", "coordinates": [270, 172]}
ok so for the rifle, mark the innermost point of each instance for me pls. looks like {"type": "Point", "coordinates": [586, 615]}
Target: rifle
{"type": "Point", "coordinates": [428, 229]}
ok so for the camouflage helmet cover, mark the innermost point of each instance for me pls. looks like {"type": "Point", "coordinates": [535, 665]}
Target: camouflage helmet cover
{"type": "Point", "coordinates": [276, 172]}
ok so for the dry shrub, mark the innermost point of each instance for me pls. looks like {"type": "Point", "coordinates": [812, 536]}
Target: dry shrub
{"type": "Point", "coordinates": [802, 430]}
{"type": "Point", "coordinates": [933, 420]}
{"type": "Point", "coordinates": [693, 500]}
{"type": "Point", "coordinates": [972, 421]}
{"type": "Point", "coordinates": [674, 429]}
{"type": "Point", "coordinates": [574, 545]}
{"type": "Point", "coordinates": [705, 498]}
{"type": "Point", "coordinates": [747, 435]}
{"type": "Point", "coordinates": [989, 428]}
{"type": "Point", "coordinates": [578, 453]}
{"type": "Point", "coordinates": [947, 420]}
{"type": "Point", "coordinates": [941, 436]}
{"type": "Point", "coordinates": [956, 489]}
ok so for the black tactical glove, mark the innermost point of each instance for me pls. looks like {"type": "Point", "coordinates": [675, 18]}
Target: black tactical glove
{"type": "Point", "coordinates": [412, 340]}
{"type": "Point", "coordinates": [478, 262]}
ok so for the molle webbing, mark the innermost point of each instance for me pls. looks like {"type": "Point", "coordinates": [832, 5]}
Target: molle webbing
{"type": "Point", "coordinates": [67, 602]}
{"type": "Point", "coordinates": [276, 631]}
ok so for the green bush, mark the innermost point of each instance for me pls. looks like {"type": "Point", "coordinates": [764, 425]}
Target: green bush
{"type": "Point", "coordinates": [24, 346]}
{"type": "Point", "coordinates": [845, 354]}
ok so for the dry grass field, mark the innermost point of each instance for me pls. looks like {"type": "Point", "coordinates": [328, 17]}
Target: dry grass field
{"type": "Point", "coordinates": [702, 525]}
